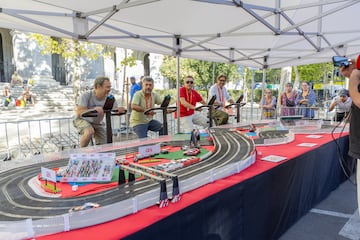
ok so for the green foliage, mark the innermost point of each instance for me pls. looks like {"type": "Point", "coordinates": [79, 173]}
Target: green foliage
{"type": "Point", "coordinates": [272, 75]}
{"type": "Point", "coordinates": [129, 61]}
{"type": "Point", "coordinates": [68, 48]}
{"type": "Point", "coordinates": [202, 71]}
{"type": "Point", "coordinates": [315, 73]}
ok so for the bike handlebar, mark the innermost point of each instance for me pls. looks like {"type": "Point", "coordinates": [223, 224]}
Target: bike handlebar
{"type": "Point", "coordinates": [172, 109]}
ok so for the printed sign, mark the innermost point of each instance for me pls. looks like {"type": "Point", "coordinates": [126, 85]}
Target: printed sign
{"type": "Point", "coordinates": [48, 174]}
{"type": "Point", "coordinates": [149, 150]}
{"type": "Point", "coordinates": [93, 167]}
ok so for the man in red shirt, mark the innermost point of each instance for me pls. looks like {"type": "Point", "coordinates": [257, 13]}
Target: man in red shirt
{"type": "Point", "coordinates": [188, 99]}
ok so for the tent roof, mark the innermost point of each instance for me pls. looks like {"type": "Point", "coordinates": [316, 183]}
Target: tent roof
{"type": "Point", "coordinates": [254, 33]}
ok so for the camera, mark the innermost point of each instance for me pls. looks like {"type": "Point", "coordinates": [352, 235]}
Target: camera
{"type": "Point", "coordinates": [340, 61]}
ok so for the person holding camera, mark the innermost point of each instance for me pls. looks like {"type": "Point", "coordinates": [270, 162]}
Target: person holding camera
{"type": "Point", "coordinates": [352, 72]}
{"type": "Point", "coordinates": [342, 104]}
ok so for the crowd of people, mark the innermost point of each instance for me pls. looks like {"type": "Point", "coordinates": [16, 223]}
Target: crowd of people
{"type": "Point", "coordinates": [143, 99]}
{"type": "Point", "coordinates": [26, 98]}
{"type": "Point", "coordinates": [302, 103]}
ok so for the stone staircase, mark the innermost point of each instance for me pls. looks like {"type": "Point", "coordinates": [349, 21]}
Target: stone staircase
{"type": "Point", "coordinates": [50, 100]}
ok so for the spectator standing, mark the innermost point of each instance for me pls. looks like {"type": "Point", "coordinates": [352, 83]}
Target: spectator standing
{"type": "Point", "coordinates": [305, 100]}
{"type": "Point", "coordinates": [288, 100]}
{"type": "Point", "coordinates": [342, 104]}
{"type": "Point", "coordinates": [142, 101]}
{"type": "Point", "coordinates": [268, 105]}
{"type": "Point", "coordinates": [188, 99]}
{"type": "Point", "coordinates": [94, 100]}
{"type": "Point", "coordinates": [222, 96]}
{"type": "Point", "coordinates": [16, 79]}
{"type": "Point", "coordinates": [133, 88]}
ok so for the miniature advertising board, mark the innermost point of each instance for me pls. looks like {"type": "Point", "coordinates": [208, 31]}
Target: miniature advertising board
{"type": "Point", "coordinates": [89, 167]}
{"type": "Point", "coordinates": [48, 174]}
{"type": "Point", "coordinates": [149, 150]}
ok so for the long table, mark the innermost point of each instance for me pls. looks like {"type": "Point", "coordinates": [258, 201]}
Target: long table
{"type": "Point", "coordinates": [261, 202]}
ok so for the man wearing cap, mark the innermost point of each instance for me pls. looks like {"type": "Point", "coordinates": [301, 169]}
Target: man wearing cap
{"type": "Point", "coordinates": [342, 104]}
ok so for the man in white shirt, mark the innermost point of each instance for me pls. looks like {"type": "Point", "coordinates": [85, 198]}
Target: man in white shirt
{"type": "Point", "coordinates": [222, 97]}
{"type": "Point", "coordinates": [342, 104]}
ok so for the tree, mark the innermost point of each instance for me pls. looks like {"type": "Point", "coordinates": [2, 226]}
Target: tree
{"type": "Point", "coordinates": [202, 71]}
{"type": "Point", "coordinates": [168, 70]}
{"type": "Point", "coordinates": [72, 51]}
{"type": "Point", "coordinates": [315, 73]}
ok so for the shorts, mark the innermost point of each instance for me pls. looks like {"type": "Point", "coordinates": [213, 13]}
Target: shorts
{"type": "Point", "coordinates": [220, 117]}
{"type": "Point", "coordinates": [100, 131]}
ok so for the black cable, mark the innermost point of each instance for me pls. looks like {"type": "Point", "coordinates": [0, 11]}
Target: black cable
{"type": "Point", "coordinates": [341, 158]}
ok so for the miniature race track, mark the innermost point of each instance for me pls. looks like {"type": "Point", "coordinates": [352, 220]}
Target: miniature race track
{"type": "Point", "coordinates": [19, 201]}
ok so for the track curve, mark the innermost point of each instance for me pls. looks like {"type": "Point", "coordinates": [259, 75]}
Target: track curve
{"type": "Point", "coordinates": [19, 201]}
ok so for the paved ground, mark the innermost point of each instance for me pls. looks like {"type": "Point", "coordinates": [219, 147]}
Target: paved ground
{"type": "Point", "coordinates": [335, 218]}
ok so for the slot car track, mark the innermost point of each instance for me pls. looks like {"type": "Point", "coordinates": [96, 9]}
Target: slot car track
{"type": "Point", "coordinates": [18, 201]}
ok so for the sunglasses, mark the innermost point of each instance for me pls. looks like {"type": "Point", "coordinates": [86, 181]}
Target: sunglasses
{"type": "Point", "coordinates": [189, 82]}
{"type": "Point", "coordinates": [221, 80]}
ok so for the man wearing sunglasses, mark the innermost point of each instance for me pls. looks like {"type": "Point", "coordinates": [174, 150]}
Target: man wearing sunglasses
{"type": "Point", "coordinates": [188, 100]}
{"type": "Point", "coordinates": [219, 90]}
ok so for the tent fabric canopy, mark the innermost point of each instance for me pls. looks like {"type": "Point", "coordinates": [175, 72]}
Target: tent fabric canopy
{"type": "Point", "coordinates": [257, 33]}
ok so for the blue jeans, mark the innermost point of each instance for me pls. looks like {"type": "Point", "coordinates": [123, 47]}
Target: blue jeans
{"type": "Point", "coordinates": [153, 125]}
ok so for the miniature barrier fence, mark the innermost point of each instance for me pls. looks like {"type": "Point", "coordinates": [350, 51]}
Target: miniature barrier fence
{"type": "Point", "coordinates": [30, 228]}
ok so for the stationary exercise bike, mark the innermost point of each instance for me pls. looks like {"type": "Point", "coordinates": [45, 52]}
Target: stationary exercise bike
{"type": "Point", "coordinates": [164, 107]}
{"type": "Point", "coordinates": [108, 105]}
{"type": "Point", "coordinates": [210, 106]}
{"type": "Point", "coordinates": [238, 104]}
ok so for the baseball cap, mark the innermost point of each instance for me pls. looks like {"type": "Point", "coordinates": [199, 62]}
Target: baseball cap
{"type": "Point", "coordinates": [344, 92]}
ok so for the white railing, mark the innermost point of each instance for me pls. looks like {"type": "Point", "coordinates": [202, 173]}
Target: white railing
{"type": "Point", "coordinates": [25, 138]}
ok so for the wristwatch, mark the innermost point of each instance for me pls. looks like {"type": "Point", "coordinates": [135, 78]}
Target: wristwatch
{"type": "Point", "coordinates": [359, 87]}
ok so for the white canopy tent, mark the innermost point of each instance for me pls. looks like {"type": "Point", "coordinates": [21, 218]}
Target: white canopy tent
{"type": "Point", "coordinates": [261, 34]}
{"type": "Point", "coordinates": [258, 33]}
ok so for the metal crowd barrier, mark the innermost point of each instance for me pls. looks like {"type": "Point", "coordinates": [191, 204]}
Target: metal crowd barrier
{"type": "Point", "coordinates": [318, 112]}
{"type": "Point", "coordinates": [26, 138]}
